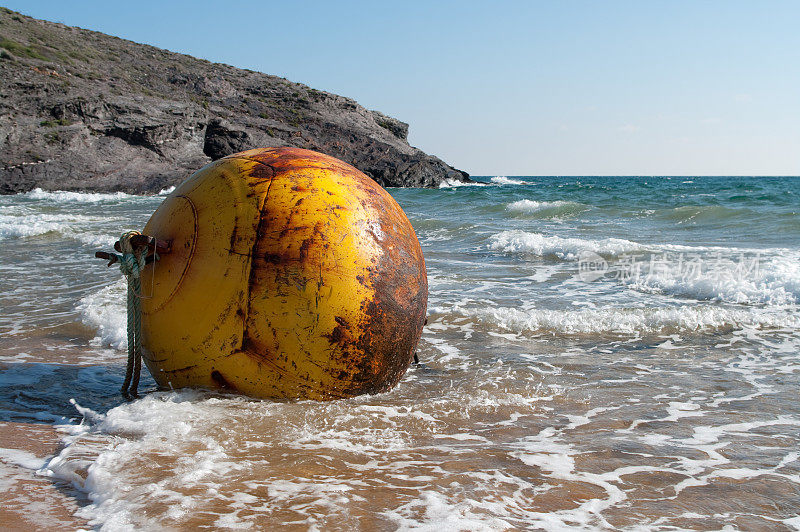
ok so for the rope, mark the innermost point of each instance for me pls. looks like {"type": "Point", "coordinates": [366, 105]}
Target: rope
{"type": "Point", "coordinates": [131, 267]}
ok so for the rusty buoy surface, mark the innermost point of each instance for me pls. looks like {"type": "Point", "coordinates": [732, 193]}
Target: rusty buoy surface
{"type": "Point", "coordinates": [291, 275]}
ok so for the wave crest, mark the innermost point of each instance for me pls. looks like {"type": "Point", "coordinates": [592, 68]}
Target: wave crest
{"type": "Point", "coordinates": [620, 321]}
{"type": "Point", "coordinates": [516, 241]}
{"type": "Point", "coordinates": [62, 196]}
{"type": "Point", "coordinates": [503, 180]}
{"type": "Point", "coordinates": [747, 279]}
{"type": "Point", "coordinates": [106, 313]}
{"type": "Point", "coordinates": [546, 209]}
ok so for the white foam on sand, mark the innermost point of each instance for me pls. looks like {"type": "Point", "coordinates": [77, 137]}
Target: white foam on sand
{"type": "Point", "coordinates": [191, 452]}
{"type": "Point", "coordinates": [17, 465]}
{"type": "Point", "coordinates": [434, 512]}
{"type": "Point", "coordinates": [548, 452]}
{"type": "Point", "coordinates": [186, 449]}
{"type": "Point", "coordinates": [22, 459]}
{"type": "Point", "coordinates": [711, 439]}
{"type": "Point", "coordinates": [106, 452]}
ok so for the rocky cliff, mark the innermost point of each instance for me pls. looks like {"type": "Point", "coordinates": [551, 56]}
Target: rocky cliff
{"type": "Point", "coordinates": [81, 110]}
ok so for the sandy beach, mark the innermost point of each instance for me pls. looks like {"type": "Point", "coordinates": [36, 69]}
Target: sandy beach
{"type": "Point", "coordinates": [29, 501]}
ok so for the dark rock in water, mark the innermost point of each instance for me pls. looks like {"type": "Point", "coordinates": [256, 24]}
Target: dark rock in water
{"type": "Point", "coordinates": [81, 110]}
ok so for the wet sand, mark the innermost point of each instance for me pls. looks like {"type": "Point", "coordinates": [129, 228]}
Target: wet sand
{"type": "Point", "coordinates": [29, 501]}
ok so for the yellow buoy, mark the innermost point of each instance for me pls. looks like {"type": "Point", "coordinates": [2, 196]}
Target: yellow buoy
{"type": "Point", "coordinates": [291, 275]}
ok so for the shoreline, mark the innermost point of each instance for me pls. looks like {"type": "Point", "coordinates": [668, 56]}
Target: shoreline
{"type": "Point", "coordinates": [29, 501]}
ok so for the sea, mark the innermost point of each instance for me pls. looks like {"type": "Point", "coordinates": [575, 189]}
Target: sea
{"type": "Point", "coordinates": [601, 353]}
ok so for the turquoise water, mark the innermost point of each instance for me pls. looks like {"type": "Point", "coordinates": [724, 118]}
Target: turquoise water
{"type": "Point", "coordinates": [601, 353]}
{"type": "Point", "coordinates": [732, 211]}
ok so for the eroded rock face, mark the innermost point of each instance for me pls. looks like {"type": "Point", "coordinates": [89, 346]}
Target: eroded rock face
{"type": "Point", "coordinates": [80, 110]}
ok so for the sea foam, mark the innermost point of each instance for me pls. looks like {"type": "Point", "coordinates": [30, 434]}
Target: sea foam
{"type": "Point", "coordinates": [620, 321]}
{"type": "Point", "coordinates": [26, 225]}
{"type": "Point", "coordinates": [62, 196]}
{"type": "Point", "coordinates": [455, 183]}
{"type": "Point", "coordinates": [117, 502]}
{"type": "Point", "coordinates": [563, 248]}
{"type": "Point", "coordinates": [749, 280]}
{"type": "Point", "coordinates": [545, 208]}
{"type": "Point", "coordinates": [105, 312]}
{"type": "Point", "coordinates": [503, 180]}
{"type": "Point", "coordinates": [23, 222]}
{"type": "Point", "coordinates": [769, 276]}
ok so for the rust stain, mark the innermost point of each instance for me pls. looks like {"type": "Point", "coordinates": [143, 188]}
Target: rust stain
{"type": "Point", "coordinates": [273, 258]}
{"type": "Point", "coordinates": [341, 334]}
{"type": "Point", "coordinates": [262, 171]}
{"type": "Point", "coordinates": [221, 381]}
{"type": "Point", "coordinates": [234, 238]}
{"type": "Point", "coordinates": [304, 247]}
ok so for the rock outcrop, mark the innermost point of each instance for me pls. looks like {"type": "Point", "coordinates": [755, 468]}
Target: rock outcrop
{"type": "Point", "coordinates": [81, 110]}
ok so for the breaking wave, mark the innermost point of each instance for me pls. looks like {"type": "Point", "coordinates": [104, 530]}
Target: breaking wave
{"type": "Point", "coordinates": [618, 321]}
{"type": "Point", "coordinates": [546, 209]}
{"type": "Point", "coordinates": [516, 241]}
{"type": "Point", "coordinates": [503, 180]}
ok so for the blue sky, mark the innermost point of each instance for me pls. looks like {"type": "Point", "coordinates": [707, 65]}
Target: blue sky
{"type": "Point", "coordinates": [519, 88]}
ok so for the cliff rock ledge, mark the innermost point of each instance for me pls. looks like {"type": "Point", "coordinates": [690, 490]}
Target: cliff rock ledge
{"type": "Point", "coordinates": [81, 110]}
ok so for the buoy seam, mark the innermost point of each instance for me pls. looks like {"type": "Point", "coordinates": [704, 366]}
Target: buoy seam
{"type": "Point", "coordinates": [188, 260]}
{"type": "Point", "coordinates": [186, 368]}
{"type": "Point", "coordinates": [252, 255]}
